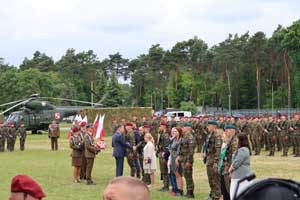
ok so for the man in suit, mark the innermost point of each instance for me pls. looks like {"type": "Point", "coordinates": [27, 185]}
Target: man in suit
{"type": "Point", "coordinates": [119, 144]}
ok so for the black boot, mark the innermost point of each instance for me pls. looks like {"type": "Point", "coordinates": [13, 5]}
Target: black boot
{"type": "Point", "coordinates": [189, 195]}
{"type": "Point", "coordinates": [90, 182]}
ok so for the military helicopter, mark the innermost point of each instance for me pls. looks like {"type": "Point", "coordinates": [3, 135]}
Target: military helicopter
{"type": "Point", "coordinates": [37, 113]}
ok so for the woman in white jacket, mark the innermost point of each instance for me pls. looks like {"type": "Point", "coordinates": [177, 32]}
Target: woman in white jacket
{"type": "Point", "coordinates": [149, 157]}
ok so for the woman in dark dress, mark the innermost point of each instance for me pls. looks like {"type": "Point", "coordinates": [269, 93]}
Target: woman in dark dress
{"type": "Point", "coordinates": [76, 144]}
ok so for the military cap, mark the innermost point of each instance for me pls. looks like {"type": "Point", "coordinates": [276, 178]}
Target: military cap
{"type": "Point", "coordinates": [296, 113]}
{"type": "Point", "coordinates": [25, 184]}
{"type": "Point", "coordinates": [83, 124]}
{"type": "Point", "coordinates": [163, 124]}
{"type": "Point", "coordinates": [230, 126]}
{"type": "Point", "coordinates": [129, 124]}
{"type": "Point", "coordinates": [75, 129]}
{"type": "Point", "coordinates": [187, 124]}
{"type": "Point", "coordinates": [146, 126]}
{"type": "Point", "coordinates": [213, 122]}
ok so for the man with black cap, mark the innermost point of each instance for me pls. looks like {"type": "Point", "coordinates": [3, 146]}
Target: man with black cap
{"type": "Point", "coordinates": [211, 153]}
{"type": "Point", "coordinates": [186, 158]}
{"type": "Point", "coordinates": [23, 187]}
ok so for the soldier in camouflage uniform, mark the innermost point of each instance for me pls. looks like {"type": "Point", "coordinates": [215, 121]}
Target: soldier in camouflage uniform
{"type": "Point", "coordinates": [2, 138]}
{"type": "Point", "coordinates": [154, 129]}
{"type": "Point", "coordinates": [164, 140]}
{"type": "Point", "coordinates": [221, 122]}
{"type": "Point", "coordinates": [11, 137]}
{"type": "Point", "coordinates": [257, 132]}
{"type": "Point", "coordinates": [270, 131]}
{"type": "Point", "coordinates": [284, 129]}
{"type": "Point", "coordinates": [197, 127]}
{"type": "Point", "coordinates": [131, 155]}
{"type": "Point", "coordinates": [278, 136]}
{"type": "Point", "coordinates": [22, 135]}
{"type": "Point", "coordinates": [172, 123]}
{"type": "Point", "coordinates": [229, 147]}
{"type": "Point", "coordinates": [211, 153]}
{"type": "Point", "coordinates": [295, 128]}
{"type": "Point", "coordinates": [186, 158]}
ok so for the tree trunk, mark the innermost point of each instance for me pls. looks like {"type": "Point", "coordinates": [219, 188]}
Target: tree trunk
{"type": "Point", "coordinates": [229, 88]}
{"type": "Point", "coordinates": [177, 76]}
{"type": "Point", "coordinates": [288, 70]}
{"type": "Point", "coordinates": [258, 86]}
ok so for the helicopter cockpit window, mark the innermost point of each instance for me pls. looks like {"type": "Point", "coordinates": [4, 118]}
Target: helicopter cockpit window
{"type": "Point", "coordinates": [13, 117]}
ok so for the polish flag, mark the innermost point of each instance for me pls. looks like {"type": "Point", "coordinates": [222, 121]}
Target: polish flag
{"type": "Point", "coordinates": [100, 132]}
{"type": "Point", "coordinates": [95, 126]}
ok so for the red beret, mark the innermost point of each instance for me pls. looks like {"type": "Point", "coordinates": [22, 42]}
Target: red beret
{"type": "Point", "coordinates": [129, 124]}
{"type": "Point", "coordinates": [75, 129]}
{"type": "Point", "coordinates": [83, 124]}
{"type": "Point", "coordinates": [163, 124]}
{"type": "Point", "coordinates": [146, 126]}
{"type": "Point", "coordinates": [25, 184]}
{"type": "Point", "coordinates": [295, 113]}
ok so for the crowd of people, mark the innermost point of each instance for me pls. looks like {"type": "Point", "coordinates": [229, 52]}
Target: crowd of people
{"type": "Point", "coordinates": [226, 144]}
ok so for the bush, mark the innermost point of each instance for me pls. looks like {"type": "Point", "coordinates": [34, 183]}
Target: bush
{"type": "Point", "coordinates": [188, 106]}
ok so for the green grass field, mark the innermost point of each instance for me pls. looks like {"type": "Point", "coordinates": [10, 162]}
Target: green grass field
{"type": "Point", "coordinates": [54, 172]}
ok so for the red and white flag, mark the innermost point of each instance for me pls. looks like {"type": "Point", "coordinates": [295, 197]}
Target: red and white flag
{"type": "Point", "coordinates": [95, 126]}
{"type": "Point", "coordinates": [100, 132]}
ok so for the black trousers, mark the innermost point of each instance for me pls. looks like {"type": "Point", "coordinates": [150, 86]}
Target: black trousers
{"type": "Point", "coordinates": [225, 193]}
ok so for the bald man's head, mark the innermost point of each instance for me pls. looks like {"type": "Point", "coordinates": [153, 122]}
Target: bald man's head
{"type": "Point", "coordinates": [126, 188]}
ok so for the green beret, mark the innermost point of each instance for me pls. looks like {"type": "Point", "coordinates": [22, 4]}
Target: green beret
{"type": "Point", "coordinates": [187, 124]}
{"type": "Point", "coordinates": [230, 126]}
{"type": "Point", "coordinates": [213, 122]}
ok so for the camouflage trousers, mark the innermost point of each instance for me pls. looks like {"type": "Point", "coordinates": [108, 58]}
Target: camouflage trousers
{"type": "Point", "coordinates": [2, 144]}
{"type": "Point", "coordinates": [272, 142]}
{"type": "Point", "coordinates": [285, 145]}
{"type": "Point", "coordinates": [164, 171]}
{"type": "Point", "coordinates": [22, 144]}
{"type": "Point", "coordinates": [279, 142]}
{"type": "Point", "coordinates": [199, 143]}
{"type": "Point", "coordinates": [11, 144]}
{"type": "Point", "coordinates": [257, 143]}
{"type": "Point", "coordinates": [293, 141]}
{"type": "Point", "coordinates": [214, 182]}
{"type": "Point", "coordinates": [297, 141]}
{"type": "Point", "coordinates": [132, 163]}
{"type": "Point", "coordinates": [188, 176]}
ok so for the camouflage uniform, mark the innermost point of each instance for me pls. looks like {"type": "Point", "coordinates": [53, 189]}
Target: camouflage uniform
{"type": "Point", "coordinates": [270, 131]}
{"type": "Point", "coordinates": [231, 147]}
{"type": "Point", "coordinates": [257, 136]}
{"type": "Point", "coordinates": [131, 155]}
{"type": "Point", "coordinates": [164, 140]}
{"type": "Point", "coordinates": [11, 138]}
{"type": "Point", "coordinates": [197, 127]}
{"type": "Point", "coordinates": [212, 149]}
{"type": "Point", "coordinates": [22, 135]}
{"type": "Point", "coordinates": [284, 134]}
{"type": "Point", "coordinates": [2, 139]}
{"type": "Point", "coordinates": [296, 132]}
{"type": "Point", "coordinates": [187, 156]}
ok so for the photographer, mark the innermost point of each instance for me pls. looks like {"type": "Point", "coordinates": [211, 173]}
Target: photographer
{"type": "Point", "coordinates": [90, 151]}
{"type": "Point", "coordinates": [149, 158]}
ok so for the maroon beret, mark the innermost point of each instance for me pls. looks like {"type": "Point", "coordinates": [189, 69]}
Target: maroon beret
{"type": "Point", "coordinates": [75, 129]}
{"type": "Point", "coordinates": [83, 124]}
{"type": "Point", "coordinates": [163, 124]}
{"type": "Point", "coordinates": [146, 126]}
{"type": "Point", "coordinates": [129, 124]}
{"type": "Point", "coordinates": [25, 184]}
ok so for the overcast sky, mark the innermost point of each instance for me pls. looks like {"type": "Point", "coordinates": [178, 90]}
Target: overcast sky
{"type": "Point", "coordinates": [130, 26]}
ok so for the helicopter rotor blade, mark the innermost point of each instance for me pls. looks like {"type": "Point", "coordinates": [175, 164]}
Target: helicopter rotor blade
{"type": "Point", "coordinates": [14, 106]}
{"type": "Point", "coordinates": [72, 100]}
{"type": "Point", "coordinates": [13, 102]}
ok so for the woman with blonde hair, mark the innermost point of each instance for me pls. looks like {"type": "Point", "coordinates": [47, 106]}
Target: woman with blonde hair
{"type": "Point", "coordinates": [149, 164]}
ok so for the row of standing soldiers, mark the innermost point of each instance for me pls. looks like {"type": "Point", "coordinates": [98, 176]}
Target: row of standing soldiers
{"type": "Point", "coordinates": [8, 135]}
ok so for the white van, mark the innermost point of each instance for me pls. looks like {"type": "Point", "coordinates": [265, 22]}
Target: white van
{"type": "Point", "coordinates": [178, 114]}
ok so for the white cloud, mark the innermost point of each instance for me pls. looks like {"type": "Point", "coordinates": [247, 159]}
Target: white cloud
{"type": "Point", "coordinates": [131, 26]}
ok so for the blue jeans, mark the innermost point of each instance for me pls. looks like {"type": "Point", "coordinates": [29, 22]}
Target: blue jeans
{"type": "Point", "coordinates": [172, 178]}
{"type": "Point", "coordinates": [119, 166]}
